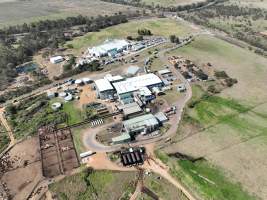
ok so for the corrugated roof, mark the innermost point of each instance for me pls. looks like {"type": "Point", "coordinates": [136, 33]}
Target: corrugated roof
{"type": "Point", "coordinates": [122, 137]}
{"type": "Point", "coordinates": [164, 71]}
{"type": "Point", "coordinates": [111, 78]}
{"type": "Point", "coordinates": [132, 70]}
{"type": "Point", "coordinates": [131, 108]}
{"type": "Point", "coordinates": [141, 121]}
{"type": "Point", "coordinates": [135, 83]}
{"type": "Point", "coordinates": [103, 85]}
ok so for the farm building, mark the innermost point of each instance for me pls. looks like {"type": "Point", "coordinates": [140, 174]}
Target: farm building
{"type": "Point", "coordinates": [104, 89]}
{"type": "Point", "coordinates": [130, 109]}
{"type": "Point", "coordinates": [164, 72]}
{"type": "Point", "coordinates": [143, 124]}
{"type": "Point", "coordinates": [113, 79]}
{"type": "Point", "coordinates": [109, 48]}
{"type": "Point", "coordinates": [56, 59]}
{"type": "Point", "coordinates": [124, 137]}
{"type": "Point", "coordinates": [132, 70]}
{"type": "Point", "coordinates": [133, 157]}
{"type": "Point", "coordinates": [133, 84]}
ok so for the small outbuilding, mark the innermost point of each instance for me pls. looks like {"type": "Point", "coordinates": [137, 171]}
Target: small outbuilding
{"type": "Point", "coordinates": [132, 70]}
{"type": "Point", "coordinates": [56, 106]}
{"type": "Point", "coordinates": [123, 138]}
{"type": "Point", "coordinates": [181, 88]}
{"type": "Point", "coordinates": [56, 59]}
{"type": "Point", "coordinates": [104, 89]}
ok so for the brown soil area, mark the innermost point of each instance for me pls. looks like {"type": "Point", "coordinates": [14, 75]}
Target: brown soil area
{"type": "Point", "coordinates": [25, 172]}
{"type": "Point", "coordinates": [87, 96]}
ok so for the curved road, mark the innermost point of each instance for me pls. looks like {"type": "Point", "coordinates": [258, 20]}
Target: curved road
{"type": "Point", "coordinates": [90, 139]}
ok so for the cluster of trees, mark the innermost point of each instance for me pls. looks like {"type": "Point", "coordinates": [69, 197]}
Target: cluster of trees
{"type": "Point", "coordinates": [178, 8]}
{"type": "Point", "coordinates": [144, 32]}
{"type": "Point", "coordinates": [16, 50]}
{"type": "Point", "coordinates": [138, 38]}
{"type": "Point", "coordinates": [174, 39]}
{"type": "Point", "coordinates": [242, 18]}
{"type": "Point", "coordinates": [93, 66]}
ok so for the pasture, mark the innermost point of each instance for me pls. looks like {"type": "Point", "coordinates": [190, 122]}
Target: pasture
{"type": "Point", "coordinates": [229, 129]}
{"type": "Point", "coordinates": [17, 12]}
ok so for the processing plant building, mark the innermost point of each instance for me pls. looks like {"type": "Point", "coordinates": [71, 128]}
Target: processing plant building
{"type": "Point", "coordinates": [109, 47]}
{"type": "Point", "coordinates": [143, 84]}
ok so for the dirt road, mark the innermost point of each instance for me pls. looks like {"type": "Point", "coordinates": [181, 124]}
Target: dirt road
{"type": "Point", "coordinates": [7, 127]}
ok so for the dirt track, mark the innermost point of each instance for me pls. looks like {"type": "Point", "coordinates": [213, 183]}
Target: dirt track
{"type": "Point", "coordinates": [7, 127]}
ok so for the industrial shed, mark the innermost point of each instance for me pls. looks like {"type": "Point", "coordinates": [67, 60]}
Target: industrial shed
{"type": "Point", "coordinates": [123, 138]}
{"type": "Point", "coordinates": [133, 157]}
{"type": "Point", "coordinates": [130, 109]}
{"type": "Point", "coordinates": [143, 124]}
{"type": "Point", "coordinates": [109, 47]}
{"type": "Point", "coordinates": [104, 89]}
{"type": "Point", "coordinates": [136, 83]}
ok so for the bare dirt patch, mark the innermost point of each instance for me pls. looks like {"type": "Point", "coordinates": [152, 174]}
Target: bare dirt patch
{"type": "Point", "coordinates": [24, 171]}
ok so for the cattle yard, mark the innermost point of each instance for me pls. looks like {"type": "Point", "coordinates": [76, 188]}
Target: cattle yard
{"type": "Point", "coordinates": [57, 151]}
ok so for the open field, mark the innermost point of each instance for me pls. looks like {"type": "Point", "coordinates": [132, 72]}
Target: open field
{"type": "Point", "coordinates": [161, 187]}
{"type": "Point", "coordinates": [168, 3]}
{"type": "Point", "coordinates": [78, 138]}
{"type": "Point", "coordinates": [158, 27]}
{"type": "Point", "coordinates": [229, 129]}
{"type": "Point", "coordinates": [16, 11]}
{"type": "Point", "coordinates": [104, 185]}
{"type": "Point", "coordinates": [205, 179]}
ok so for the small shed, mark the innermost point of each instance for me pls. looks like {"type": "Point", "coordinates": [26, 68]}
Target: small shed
{"type": "Point", "coordinates": [181, 88]}
{"type": "Point", "coordinates": [161, 117]}
{"type": "Point", "coordinates": [56, 59]}
{"type": "Point", "coordinates": [133, 70]}
{"type": "Point", "coordinates": [123, 138]}
{"type": "Point", "coordinates": [56, 106]}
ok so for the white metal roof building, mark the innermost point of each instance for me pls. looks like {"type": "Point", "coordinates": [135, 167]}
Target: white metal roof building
{"type": "Point", "coordinates": [113, 79]}
{"type": "Point", "coordinates": [142, 124]}
{"type": "Point", "coordinates": [104, 88]}
{"type": "Point", "coordinates": [109, 45]}
{"type": "Point", "coordinates": [56, 59]}
{"type": "Point", "coordinates": [136, 83]}
{"type": "Point", "coordinates": [164, 71]}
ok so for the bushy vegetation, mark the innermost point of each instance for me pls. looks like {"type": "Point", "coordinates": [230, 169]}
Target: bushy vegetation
{"type": "Point", "coordinates": [4, 139]}
{"type": "Point", "coordinates": [28, 115]}
{"type": "Point", "coordinates": [140, 3]}
{"type": "Point", "coordinates": [144, 32]}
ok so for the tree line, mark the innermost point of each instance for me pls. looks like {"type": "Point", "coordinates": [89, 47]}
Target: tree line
{"type": "Point", "coordinates": [178, 8]}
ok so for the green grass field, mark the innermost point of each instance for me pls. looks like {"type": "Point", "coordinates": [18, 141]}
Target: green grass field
{"type": "Point", "coordinates": [77, 137]}
{"type": "Point", "coordinates": [104, 185]}
{"type": "Point", "coordinates": [228, 129]}
{"type": "Point", "coordinates": [161, 27]}
{"type": "Point", "coordinates": [209, 182]}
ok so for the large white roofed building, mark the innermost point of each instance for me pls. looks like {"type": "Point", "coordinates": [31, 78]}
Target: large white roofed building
{"type": "Point", "coordinates": [138, 82]}
{"type": "Point", "coordinates": [109, 46]}
{"type": "Point", "coordinates": [104, 89]}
